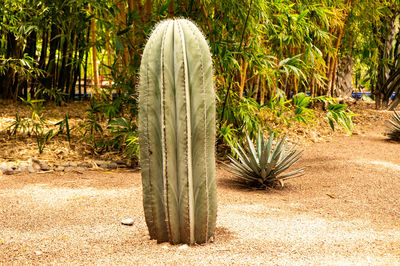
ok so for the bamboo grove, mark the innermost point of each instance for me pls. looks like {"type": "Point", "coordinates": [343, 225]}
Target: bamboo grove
{"type": "Point", "coordinates": [57, 48]}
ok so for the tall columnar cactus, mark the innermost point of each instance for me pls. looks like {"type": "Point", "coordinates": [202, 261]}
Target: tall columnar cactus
{"type": "Point", "coordinates": [177, 134]}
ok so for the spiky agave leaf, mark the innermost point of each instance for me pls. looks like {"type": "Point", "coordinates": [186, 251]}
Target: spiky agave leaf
{"type": "Point", "coordinates": [394, 133]}
{"type": "Point", "coordinates": [264, 164]}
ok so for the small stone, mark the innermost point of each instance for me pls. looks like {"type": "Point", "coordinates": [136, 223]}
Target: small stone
{"type": "Point", "coordinates": [73, 164]}
{"type": "Point", "coordinates": [22, 168]}
{"type": "Point", "coordinates": [104, 165]}
{"type": "Point", "coordinates": [36, 160]}
{"type": "Point", "coordinates": [120, 162]}
{"type": "Point", "coordinates": [30, 169]}
{"type": "Point", "coordinates": [7, 171]}
{"type": "Point", "coordinates": [69, 169]}
{"type": "Point", "coordinates": [112, 165]}
{"type": "Point", "coordinates": [85, 165]}
{"type": "Point", "coordinates": [65, 164]}
{"type": "Point", "coordinates": [59, 168]}
{"type": "Point", "coordinates": [127, 221]}
{"type": "Point", "coordinates": [80, 169]}
{"type": "Point", "coordinates": [183, 247]}
{"type": "Point", "coordinates": [37, 252]}
{"type": "Point", "coordinates": [100, 163]}
{"type": "Point", "coordinates": [36, 167]}
{"type": "Point", "coordinates": [44, 166]}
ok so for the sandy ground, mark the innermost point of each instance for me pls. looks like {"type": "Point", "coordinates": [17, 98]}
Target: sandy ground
{"type": "Point", "coordinates": [344, 211]}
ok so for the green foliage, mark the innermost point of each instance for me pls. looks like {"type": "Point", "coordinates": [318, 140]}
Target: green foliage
{"type": "Point", "coordinates": [42, 138]}
{"type": "Point", "coordinates": [34, 125]}
{"type": "Point", "coordinates": [302, 112]}
{"type": "Point", "coordinates": [246, 115]}
{"type": "Point", "coordinates": [64, 124]}
{"type": "Point", "coordinates": [278, 107]}
{"type": "Point", "coordinates": [264, 165]}
{"type": "Point", "coordinates": [228, 134]}
{"type": "Point", "coordinates": [91, 126]}
{"type": "Point", "coordinates": [51, 94]}
{"type": "Point", "coordinates": [124, 136]}
{"type": "Point", "coordinates": [26, 67]}
{"type": "Point", "coordinates": [110, 123]}
{"type": "Point", "coordinates": [394, 133]}
{"type": "Point", "coordinates": [338, 114]}
{"type": "Point", "coordinates": [177, 134]}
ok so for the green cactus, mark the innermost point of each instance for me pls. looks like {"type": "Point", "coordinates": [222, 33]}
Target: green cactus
{"type": "Point", "coordinates": [177, 134]}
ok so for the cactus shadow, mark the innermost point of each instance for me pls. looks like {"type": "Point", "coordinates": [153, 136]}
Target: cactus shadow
{"type": "Point", "coordinates": [223, 234]}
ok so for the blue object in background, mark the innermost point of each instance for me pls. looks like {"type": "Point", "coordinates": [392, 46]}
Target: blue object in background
{"type": "Point", "coordinates": [360, 94]}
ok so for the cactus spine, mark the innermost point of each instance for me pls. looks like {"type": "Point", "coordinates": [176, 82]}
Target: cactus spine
{"type": "Point", "coordinates": [177, 134]}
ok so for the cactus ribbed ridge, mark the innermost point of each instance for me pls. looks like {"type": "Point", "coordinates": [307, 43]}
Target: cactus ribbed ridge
{"type": "Point", "coordinates": [177, 134]}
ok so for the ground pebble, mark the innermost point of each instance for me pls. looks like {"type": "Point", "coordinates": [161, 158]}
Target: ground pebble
{"type": "Point", "coordinates": [112, 165]}
{"type": "Point", "coordinates": [85, 165]}
{"type": "Point", "coordinates": [59, 168]}
{"type": "Point", "coordinates": [127, 221]}
{"type": "Point", "coordinates": [6, 170]}
{"type": "Point", "coordinates": [183, 247]}
{"type": "Point", "coordinates": [30, 169]}
{"type": "Point", "coordinates": [44, 166]}
{"type": "Point", "coordinates": [69, 169]}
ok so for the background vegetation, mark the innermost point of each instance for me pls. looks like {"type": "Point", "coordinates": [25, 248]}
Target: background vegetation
{"type": "Point", "coordinates": [274, 60]}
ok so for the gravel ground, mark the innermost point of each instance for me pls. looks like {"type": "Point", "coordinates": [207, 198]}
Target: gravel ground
{"type": "Point", "coordinates": [344, 211]}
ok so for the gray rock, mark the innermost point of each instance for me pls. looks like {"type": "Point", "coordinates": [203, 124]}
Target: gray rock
{"type": "Point", "coordinates": [100, 163]}
{"type": "Point", "coordinates": [44, 166]}
{"type": "Point", "coordinates": [30, 169]}
{"type": "Point", "coordinates": [122, 162]}
{"type": "Point", "coordinates": [65, 164]}
{"type": "Point", "coordinates": [69, 169]}
{"type": "Point", "coordinates": [112, 165]}
{"type": "Point", "coordinates": [5, 169]}
{"type": "Point", "coordinates": [59, 168]}
{"type": "Point", "coordinates": [85, 165]}
{"type": "Point", "coordinates": [22, 168]}
{"type": "Point", "coordinates": [80, 169]}
{"type": "Point", "coordinates": [36, 160]}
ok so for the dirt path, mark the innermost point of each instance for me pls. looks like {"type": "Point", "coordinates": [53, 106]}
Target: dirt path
{"type": "Point", "coordinates": [345, 210]}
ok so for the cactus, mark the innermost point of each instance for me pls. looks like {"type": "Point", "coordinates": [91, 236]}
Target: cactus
{"type": "Point", "coordinates": [177, 134]}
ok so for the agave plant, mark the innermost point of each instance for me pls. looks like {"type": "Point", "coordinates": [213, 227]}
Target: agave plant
{"type": "Point", "coordinates": [394, 134]}
{"type": "Point", "coordinates": [264, 165]}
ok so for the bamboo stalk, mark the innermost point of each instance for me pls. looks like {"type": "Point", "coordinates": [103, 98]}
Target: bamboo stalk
{"type": "Point", "coordinates": [243, 77]}
{"type": "Point", "coordinates": [94, 52]}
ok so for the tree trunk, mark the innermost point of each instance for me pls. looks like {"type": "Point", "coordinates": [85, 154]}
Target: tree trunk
{"type": "Point", "coordinates": [389, 63]}
{"type": "Point", "coordinates": [51, 65]}
{"type": "Point", "coordinates": [171, 9]}
{"type": "Point", "coordinates": [344, 82]}
{"type": "Point", "coordinates": [14, 51]}
{"type": "Point", "coordinates": [30, 50]}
